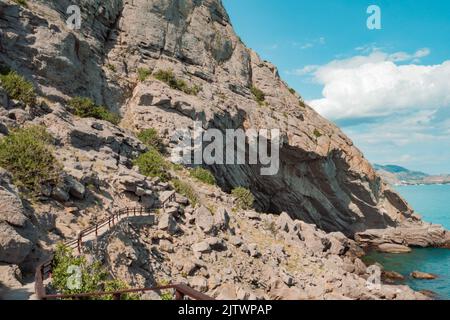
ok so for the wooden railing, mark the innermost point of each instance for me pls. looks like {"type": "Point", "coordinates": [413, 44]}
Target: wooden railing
{"type": "Point", "coordinates": [44, 270]}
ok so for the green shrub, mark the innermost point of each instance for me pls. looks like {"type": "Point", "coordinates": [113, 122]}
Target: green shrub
{"type": "Point", "coordinates": [244, 198]}
{"type": "Point", "coordinates": [203, 175]}
{"type": "Point", "coordinates": [292, 90]}
{"type": "Point", "coordinates": [143, 74]}
{"type": "Point", "coordinates": [27, 154]}
{"type": "Point", "coordinates": [186, 190]}
{"type": "Point", "coordinates": [151, 138]}
{"type": "Point", "coordinates": [168, 77]}
{"type": "Point", "coordinates": [317, 133]}
{"type": "Point", "coordinates": [86, 108]}
{"type": "Point", "coordinates": [153, 164]}
{"type": "Point", "coordinates": [258, 95]}
{"type": "Point", "coordinates": [94, 277]}
{"type": "Point", "coordinates": [18, 88]}
{"type": "Point", "coordinates": [111, 67]}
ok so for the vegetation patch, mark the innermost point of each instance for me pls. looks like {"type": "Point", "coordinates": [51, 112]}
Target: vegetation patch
{"type": "Point", "coordinates": [203, 175]}
{"type": "Point", "coordinates": [143, 74]}
{"type": "Point", "coordinates": [186, 190]}
{"type": "Point", "coordinates": [168, 77]}
{"type": "Point", "coordinates": [317, 133]}
{"type": "Point", "coordinates": [258, 95]}
{"type": "Point", "coordinates": [86, 108]}
{"type": "Point", "coordinates": [74, 275]}
{"type": "Point", "coordinates": [23, 3]}
{"type": "Point", "coordinates": [244, 198]}
{"type": "Point", "coordinates": [153, 164]}
{"type": "Point", "coordinates": [111, 67]}
{"type": "Point", "coordinates": [18, 88]}
{"type": "Point", "coordinates": [27, 154]}
{"type": "Point", "coordinates": [151, 138]}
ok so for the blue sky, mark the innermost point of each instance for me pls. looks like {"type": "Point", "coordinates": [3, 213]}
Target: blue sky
{"type": "Point", "coordinates": [388, 89]}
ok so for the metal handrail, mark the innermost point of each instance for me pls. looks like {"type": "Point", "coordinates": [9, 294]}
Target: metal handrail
{"type": "Point", "coordinates": [44, 269]}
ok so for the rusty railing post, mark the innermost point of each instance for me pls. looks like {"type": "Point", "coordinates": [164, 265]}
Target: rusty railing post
{"type": "Point", "coordinates": [79, 240]}
{"type": "Point", "coordinates": [96, 230]}
{"type": "Point", "coordinates": [179, 295]}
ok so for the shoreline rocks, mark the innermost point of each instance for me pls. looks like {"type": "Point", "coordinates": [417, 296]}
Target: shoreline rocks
{"type": "Point", "coordinates": [423, 275]}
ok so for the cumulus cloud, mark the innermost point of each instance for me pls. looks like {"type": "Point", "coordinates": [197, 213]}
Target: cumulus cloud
{"type": "Point", "coordinates": [377, 85]}
{"type": "Point", "coordinates": [310, 44]}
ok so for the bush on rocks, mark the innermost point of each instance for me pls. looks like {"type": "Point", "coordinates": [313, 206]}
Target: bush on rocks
{"type": "Point", "coordinates": [203, 175]}
{"type": "Point", "coordinates": [151, 138]}
{"type": "Point", "coordinates": [153, 164]}
{"type": "Point", "coordinates": [86, 108]}
{"type": "Point", "coordinates": [27, 154]}
{"type": "Point", "coordinates": [93, 277]}
{"type": "Point", "coordinates": [244, 198]}
{"type": "Point", "coordinates": [186, 190]}
{"type": "Point", "coordinates": [18, 88]}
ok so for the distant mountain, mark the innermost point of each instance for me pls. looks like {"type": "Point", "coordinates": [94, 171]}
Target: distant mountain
{"type": "Point", "coordinates": [396, 175]}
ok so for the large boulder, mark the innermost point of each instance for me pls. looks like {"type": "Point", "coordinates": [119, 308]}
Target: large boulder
{"type": "Point", "coordinates": [13, 247]}
{"type": "Point", "coordinates": [11, 208]}
{"type": "Point", "coordinates": [204, 220]}
{"type": "Point", "coordinates": [10, 276]}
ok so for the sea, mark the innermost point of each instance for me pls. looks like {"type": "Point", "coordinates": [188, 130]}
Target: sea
{"type": "Point", "coordinates": [432, 202]}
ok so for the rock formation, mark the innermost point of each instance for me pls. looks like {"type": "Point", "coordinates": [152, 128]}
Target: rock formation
{"type": "Point", "coordinates": [324, 180]}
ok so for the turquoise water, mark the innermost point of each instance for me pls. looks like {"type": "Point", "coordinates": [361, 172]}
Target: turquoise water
{"type": "Point", "coordinates": [432, 202]}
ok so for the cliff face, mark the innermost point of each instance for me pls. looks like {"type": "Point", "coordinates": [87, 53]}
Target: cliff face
{"type": "Point", "coordinates": [213, 245]}
{"type": "Point", "coordinates": [323, 179]}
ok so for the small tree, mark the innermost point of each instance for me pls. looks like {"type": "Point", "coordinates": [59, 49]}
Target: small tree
{"type": "Point", "coordinates": [18, 88]}
{"type": "Point", "coordinates": [153, 164]}
{"type": "Point", "coordinates": [86, 108]}
{"type": "Point", "coordinates": [27, 154]}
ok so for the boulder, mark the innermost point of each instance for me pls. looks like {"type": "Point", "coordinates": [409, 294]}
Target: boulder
{"type": "Point", "coordinates": [222, 219]}
{"type": "Point", "coordinates": [393, 248]}
{"type": "Point", "coordinates": [285, 222]}
{"type": "Point", "coordinates": [201, 247]}
{"type": "Point", "coordinates": [167, 223]}
{"type": "Point", "coordinates": [204, 220]}
{"type": "Point", "coordinates": [391, 276]}
{"type": "Point", "coordinates": [253, 250]}
{"type": "Point", "coordinates": [199, 283]}
{"type": "Point", "coordinates": [60, 195]}
{"type": "Point", "coordinates": [226, 292]}
{"type": "Point", "coordinates": [13, 247]}
{"type": "Point", "coordinates": [10, 275]}
{"type": "Point", "coordinates": [423, 275]}
{"type": "Point", "coordinates": [75, 188]}
{"type": "Point", "coordinates": [11, 208]}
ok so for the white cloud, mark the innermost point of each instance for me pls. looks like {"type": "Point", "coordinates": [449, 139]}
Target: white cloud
{"type": "Point", "coordinates": [304, 71]}
{"type": "Point", "coordinates": [310, 44]}
{"type": "Point", "coordinates": [376, 85]}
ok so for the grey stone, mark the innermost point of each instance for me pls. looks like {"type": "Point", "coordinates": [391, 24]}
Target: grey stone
{"type": "Point", "coordinates": [204, 220]}
{"type": "Point", "coordinates": [168, 223]}
{"type": "Point", "coordinates": [13, 247]}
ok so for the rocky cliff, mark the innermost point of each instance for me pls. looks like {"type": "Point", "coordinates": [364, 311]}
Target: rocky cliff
{"type": "Point", "coordinates": [323, 179]}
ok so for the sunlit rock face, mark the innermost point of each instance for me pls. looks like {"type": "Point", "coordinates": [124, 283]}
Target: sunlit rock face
{"type": "Point", "coordinates": [323, 178]}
